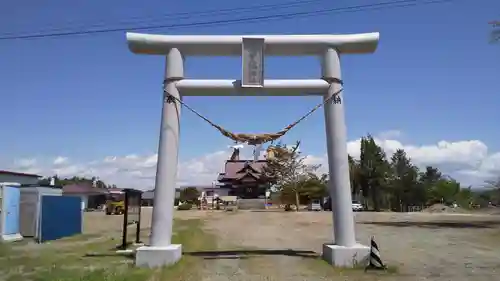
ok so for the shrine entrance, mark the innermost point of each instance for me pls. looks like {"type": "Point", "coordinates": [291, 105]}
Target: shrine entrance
{"type": "Point", "coordinates": [343, 250]}
{"type": "Point", "coordinates": [248, 191]}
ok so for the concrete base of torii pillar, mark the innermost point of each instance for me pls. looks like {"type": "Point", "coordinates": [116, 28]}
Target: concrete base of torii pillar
{"type": "Point", "coordinates": [343, 256]}
{"type": "Point", "coordinates": [154, 256]}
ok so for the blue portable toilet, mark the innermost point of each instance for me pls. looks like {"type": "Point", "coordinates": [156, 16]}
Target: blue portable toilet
{"type": "Point", "coordinates": [10, 197]}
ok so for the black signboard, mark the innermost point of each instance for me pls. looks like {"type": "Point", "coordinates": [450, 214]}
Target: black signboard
{"type": "Point", "coordinates": [132, 215]}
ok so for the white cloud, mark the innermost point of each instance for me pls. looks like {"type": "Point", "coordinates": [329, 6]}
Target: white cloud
{"type": "Point", "coordinates": [28, 165]}
{"type": "Point", "coordinates": [469, 161]}
{"type": "Point", "coordinates": [59, 161]}
{"type": "Point", "coordinates": [25, 163]}
{"type": "Point", "coordinates": [391, 134]}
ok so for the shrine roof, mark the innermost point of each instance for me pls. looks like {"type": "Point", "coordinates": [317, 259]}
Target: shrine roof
{"type": "Point", "coordinates": [236, 169]}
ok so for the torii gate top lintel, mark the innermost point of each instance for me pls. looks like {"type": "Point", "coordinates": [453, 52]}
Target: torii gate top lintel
{"type": "Point", "coordinates": [230, 45]}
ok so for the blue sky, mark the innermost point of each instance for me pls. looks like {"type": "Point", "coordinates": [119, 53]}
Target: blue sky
{"type": "Point", "coordinates": [434, 77]}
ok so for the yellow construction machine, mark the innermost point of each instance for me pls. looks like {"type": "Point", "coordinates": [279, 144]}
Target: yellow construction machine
{"type": "Point", "coordinates": [115, 204]}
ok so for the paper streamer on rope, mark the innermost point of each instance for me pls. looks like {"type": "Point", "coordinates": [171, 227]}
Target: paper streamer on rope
{"type": "Point", "coordinates": [375, 261]}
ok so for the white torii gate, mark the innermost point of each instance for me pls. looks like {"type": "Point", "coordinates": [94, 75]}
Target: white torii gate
{"type": "Point", "coordinates": [344, 250]}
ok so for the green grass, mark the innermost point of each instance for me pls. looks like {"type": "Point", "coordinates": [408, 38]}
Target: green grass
{"type": "Point", "coordinates": [68, 260]}
{"type": "Point", "coordinates": [192, 238]}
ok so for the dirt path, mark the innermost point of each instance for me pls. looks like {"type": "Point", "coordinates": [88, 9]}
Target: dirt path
{"type": "Point", "coordinates": [422, 247]}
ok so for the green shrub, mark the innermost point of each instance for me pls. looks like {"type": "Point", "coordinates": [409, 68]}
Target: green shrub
{"type": "Point", "coordinates": [185, 207]}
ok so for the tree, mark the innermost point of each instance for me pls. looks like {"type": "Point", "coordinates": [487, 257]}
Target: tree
{"type": "Point", "coordinates": [398, 184]}
{"type": "Point", "coordinates": [465, 197]}
{"type": "Point", "coordinates": [444, 191]}
{"type": "Point", "coordinates": [403, 182]}
{"type": "Point", "coordinates": [428, 179]}
{"type": "Point", "coordinates": [430, 176]}
{"type": "Point", "coordinates": [373, 169]}
{"type": "Point", "coordinates": [189, 195]}
{"type": "Point", "coordinates": [493, 191]}
{"type": "Point", "coordinates": [60, 182]}
{"type": "Point", "coordinates": [287, 171]}
{"type": "Point", "coordinates": [355, 177]}
{"type": "Point", "coordinates": [313, 187]}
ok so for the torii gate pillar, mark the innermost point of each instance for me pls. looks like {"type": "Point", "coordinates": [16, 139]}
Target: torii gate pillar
{"type": "Point", "coordinates": [343, 251]}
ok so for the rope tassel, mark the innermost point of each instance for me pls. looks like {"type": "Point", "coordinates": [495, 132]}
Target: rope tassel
{"type": "Point", "coordinates": [375, 261]}
{"type": "Point", "coordinates": [256, 139]}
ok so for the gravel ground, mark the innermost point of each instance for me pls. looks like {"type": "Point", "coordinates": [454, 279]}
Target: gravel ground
{"type": "Point", "coordinates": [421, 246]}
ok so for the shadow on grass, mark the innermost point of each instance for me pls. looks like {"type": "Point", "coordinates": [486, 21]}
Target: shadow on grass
{"type": "Point", "coordinates": [438, 224]}
{"type": "Point", "coordinates": [118, 251]}
{"type": "Point", "coordinates": [214, 255]}
{"type": "Point", "coordinates": [127, 255]}
{"type": "Point", "coordinates": [245, 254]}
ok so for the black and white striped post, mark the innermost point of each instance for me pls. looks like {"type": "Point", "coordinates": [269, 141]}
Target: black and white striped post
{"type": "Point", "coordinates": [375, 261]}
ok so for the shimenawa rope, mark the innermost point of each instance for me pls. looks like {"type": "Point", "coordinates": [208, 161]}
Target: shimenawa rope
{"type": "Point", "coordinates": [255, 139]}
